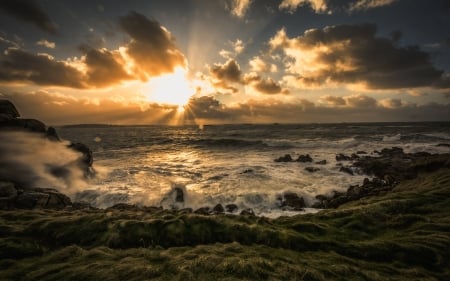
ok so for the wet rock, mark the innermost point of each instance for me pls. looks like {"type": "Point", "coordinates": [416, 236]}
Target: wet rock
{"type": "Point", "coordinates": [285, 158]}
{"type": "Point", "coordinates": [124, 207]}
{"type": "Point", "coordinates": [304, 158]}
{"type": "Point", "coordinates": [321, 162]}
{"type": "Point", "coordinates": [46, 198]}
{"type": "Point", "coordinates": [312, 169]}
{"type": "Point", "coordinates": [202, 211]}
{"type": "Point", "coordinates": [346, 170]}
{"type": "Point", "coordinates": [247, 171]}
{"type": "Point", "coordinates": [443, 145]}
{"type": "Point", "coordinates": [185, 211]}
{"type": "Point", "coordinates": [354, 156]}
{"type": "Point", "coordinates": [231, 208]}
{"type": "Point", "coordinates": [179, 194]}
{"type": "Point", "coordinates": [342, 157]}
{"type": "Point", "coordinates": [82, 205]}
{"type": "Point", "coordinates": [361, 152]}
{"type": "Point", "coordinates": [292, 201]}
{"type": "Point", "coordinates": [247, 212]}
{"type": "Point", "coordinates": [218, 209]}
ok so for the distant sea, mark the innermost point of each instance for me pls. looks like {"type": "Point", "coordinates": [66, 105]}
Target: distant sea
{"type": "Point", "coordinates": [235, 163]}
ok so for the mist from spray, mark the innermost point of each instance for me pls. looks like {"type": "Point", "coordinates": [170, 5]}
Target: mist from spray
{"type": "Point", "coordinates": [31, 160]}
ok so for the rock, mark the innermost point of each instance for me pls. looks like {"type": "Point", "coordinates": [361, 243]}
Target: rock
{"type": "Point", "coordinates": [285, 158]}
{"type": "Point", "coordinates": [304, 158]}
{"type": "Point", "coordinates": [202, 211]}
{"type": "Point", "coordinates": [342, 157]}
{"type": "Point", "coordinates": [361, 152]}
{"type": "Point", "coordinates": [312, 169]}
{"type": "Point", "coordinates": [7, 190]}
{"type": "Point", "coordinates": [8, 109]}
{"type": "Point", "coordinates": [46, 198]}
{"type": "Point", "coordinates": [247, 212]}
{"type": "Point", "coordinates": [179, 194]}
{"type": "Point", "coordinates": [218, 209]}
{"type": "Point", "coordinates": [443, 145]}
{"type": "Point", "coordinates": [391, 151]}
{"type": "Point", "coordinates": [354, 156]}
{"type": "Point", "coordinates": [82, 205]}
{"type": "Point", "coordinates": [185, 211]}
{"type": "Point", "coordinates": [321, 162]}
{"type": "Point", "coordinates": [124, 207]}
{"type": "Point", "coordinates": [292, 201]}
{"type": "Point", "coordinates": [231, 208]}
{"type": "Point", "coordinates": [87, 158]}
{"type": "Point", "coordinates": [247, 171]}
{"type": "Point", "coordinates": [346, 170]}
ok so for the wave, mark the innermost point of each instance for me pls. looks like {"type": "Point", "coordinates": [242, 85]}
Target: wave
{"type": "Point", "coordinates": [227, 143]}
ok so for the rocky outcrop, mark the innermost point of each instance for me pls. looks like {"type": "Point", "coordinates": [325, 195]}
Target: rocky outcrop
{"type": "Point", "coordinates": [13, 197]}
{"type": "Point", "coordinates": [291, 201]}
{"type": "Point", "coordinates": [304, 158]}
{"type": "Point", "coordinates": [285, 158]}
{"type": "Point", "coordinates": [312, 169]}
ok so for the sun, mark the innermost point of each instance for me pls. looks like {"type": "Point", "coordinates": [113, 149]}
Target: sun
{"type": "Point", "coordinates": [173, 89]}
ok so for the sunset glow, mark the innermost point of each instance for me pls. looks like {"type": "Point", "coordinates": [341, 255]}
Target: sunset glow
{"type": "Point", "coordinates": [233, 61]}
{"type": "Point", "coordinates": [172, 89]}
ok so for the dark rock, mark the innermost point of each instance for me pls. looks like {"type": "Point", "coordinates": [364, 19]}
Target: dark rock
{"type": "Point", "coordinates": [304, 158]}
{"type": "Point", "coordinates": [185, 211]}
{"type": "Point", "coordinates": [342, 157]}
{"type": "Point", "coordinates": [202, 211]}
{"type": "Point", "coordinates": [247, 171]}
{"type": "Point", "coordinates": [292, 201]}
{"type": "Point", "coordinates": [124, 207]}
{"type": "Point", "coordinates": [354, 156]}
{"type": "Point", "coordinates": [179, 194]}
{"type": "Point", "coordinates": [346, 170]}
{"type": "Point", "coordinates": [7, 190]}
{"type": "Point", "coordinates": [82, 205]}
{"type": "Point", "coordinates": [285, 158]}
{"type": "Point", "coordinates": [391, 151]}
{"type": "Point", "coordinates": [88, 157]}
{"type": "Point", "coordinates": [321, 162]}
{"type": "Point", "coordinates": [218, 209]}
{"type": "Point", "coordinates": [8, 109]}
{"type": "Point", "coordinates": [247, 212]}
{"type": "Point", "coordinates": [231, 208]}
{"type": "Point", "coordinates": [443, 145]}
{"type": "Point", "coordinates": [361, 152]}
{"type": "Point", "coordinates": [312, 169]}
{"type": "Point", "coordinates": [46, 198]}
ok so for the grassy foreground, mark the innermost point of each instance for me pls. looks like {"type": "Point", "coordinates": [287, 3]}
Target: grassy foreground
{"type": "Point", "coordinates": [402, 235]}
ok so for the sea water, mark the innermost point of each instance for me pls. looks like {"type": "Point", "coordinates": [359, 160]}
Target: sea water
{"type": "Point", "coordinates": [234, 164]}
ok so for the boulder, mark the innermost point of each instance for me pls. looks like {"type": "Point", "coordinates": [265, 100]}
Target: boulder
{"type": "Point", "coordinates": [346, 170]}
{"type": "Point", "coordinates": [312, 169]}
{"type": "Point", "coordinates": [321, 162]}
{"type": "Point", "coordinates": [179, 195]}
{"type": "Point", "coordinates": [231, 208]}
{"type": "Point", "coordinates": [304, 158]}
{"type": "Point", "coordinates": [247, 212]}
{"type": "Point", "coordinates": [342, 157]}
{"type": "Point", "coordinates": [292, 201]}
{"type": "Point", "coordinates": [285, 158]}
{"type": "Point", "coordinates": [45, 198]}
{"type": "Point", "coordinates": [218, 209]}
{"type": "Point", "coordinates": [202, 211]}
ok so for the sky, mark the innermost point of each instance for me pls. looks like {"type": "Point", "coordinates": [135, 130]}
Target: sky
{"type": "Point", "coordinates": [226, 61]}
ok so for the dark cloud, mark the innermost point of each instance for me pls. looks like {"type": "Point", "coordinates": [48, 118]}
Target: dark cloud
{"type": "Point", "coordinates": [360, 101]}
{"type": "Point", "coordinates": [230, 71]}
{"type": "Point", "coordinates": [104, 67]}
{"type": "Point", "coordinates": [353, 54]}
{"type": "Point", "coordinates": [333, 100]}
{"type": "Point", "coordinates": [20, 66]}
{"type": "Point", "coordinates": [265, 86]}
{"type": "Point", "coordinates": [30, 11]}
{"type": "Point", "coordinates": [152, 46]}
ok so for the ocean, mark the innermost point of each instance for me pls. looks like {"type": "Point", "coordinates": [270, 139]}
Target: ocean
{"type": "Point", "coordinates": [234, 164]}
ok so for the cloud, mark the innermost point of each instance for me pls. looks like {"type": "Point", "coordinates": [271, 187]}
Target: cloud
{"type": "Point", "coordinates": [45, 43]}
{"type": "Point", "coordinates": [104, 67]}
{"type": "Point", "coordinates": [152, 47]}
{"type": "Point", "coordinates": [319, 6]}
{"type": "Point", "coordinates": [360, 101]}
{"type": "Point", "coordinates": [257, 64]}
{"type": "Point", "coordinates": [391, 103]}
{"type": "Point", "coordinates": [29, 11]}
{"type": "Point", "coordinates": [354, 54]}
{"type": "Point", "coordinates": [150, 52]}
{"type": "Point", "coordinates": [20, 66]}
{"type": "Point", "coordinates": [238, 47]}
{"type": "Point", "coordinates": [230, 71]}
{"type": "Point", "coordinates": [263, 85]}
{"type": "Point", "coordinates": [333, 100]}
{"type": "Point", "coordinates": [239, 7]}
{"type": "Point", "coordinates": [369, 4]}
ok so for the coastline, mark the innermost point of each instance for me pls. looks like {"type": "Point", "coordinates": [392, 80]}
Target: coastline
{"type": "Point", "coordinates": [397, 234]}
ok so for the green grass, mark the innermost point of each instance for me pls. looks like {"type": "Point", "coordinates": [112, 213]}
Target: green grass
{"type": "Point", "coordinates": [403, 235]}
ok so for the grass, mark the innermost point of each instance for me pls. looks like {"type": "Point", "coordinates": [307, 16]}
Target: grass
{"type": "Point", "coordinates": [402, 235]}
